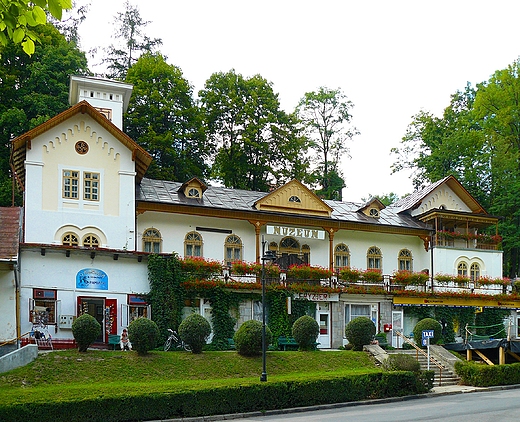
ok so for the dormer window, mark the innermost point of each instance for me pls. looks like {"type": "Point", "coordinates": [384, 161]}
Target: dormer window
{"type": "Point", "coordinates": [193, 193]}
{"type": "Point", "coordinates": [374, 212]}
{"type": "Point", "coordinates": [295, 198]}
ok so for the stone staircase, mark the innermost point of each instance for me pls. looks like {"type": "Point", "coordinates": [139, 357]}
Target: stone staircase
{"type": "Point", "coordinates": [445, 378]}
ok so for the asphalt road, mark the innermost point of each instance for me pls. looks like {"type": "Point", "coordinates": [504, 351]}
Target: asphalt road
{"type": "Point", "coordinates": [482, 406]}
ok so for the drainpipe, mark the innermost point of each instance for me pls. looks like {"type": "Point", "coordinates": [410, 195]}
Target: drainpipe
{"type": "Point", "coordinates": [17, 305]}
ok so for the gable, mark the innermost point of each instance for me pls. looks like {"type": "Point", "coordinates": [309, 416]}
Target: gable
{"type": "Point", "coordinates": [23, 143]}
{"type": "Point", "coordinates": [293, 197]}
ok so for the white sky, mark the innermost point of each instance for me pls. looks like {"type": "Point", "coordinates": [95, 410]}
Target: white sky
{"type": "Point", "coordinates": [391, 58]}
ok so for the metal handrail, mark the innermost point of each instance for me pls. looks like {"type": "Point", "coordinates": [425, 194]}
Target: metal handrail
{"type": "Point", "coordinates": [418, 349]}
{"type": "Point", "coordinates": [14, 339]}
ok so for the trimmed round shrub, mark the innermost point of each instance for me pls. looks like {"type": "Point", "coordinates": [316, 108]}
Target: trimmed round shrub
{"type": "Point", "coordinates": [143, 333]}
{"type": "Point", "coordinates": [427, 324]}
{"type": "Point", "coordinates": [305, 331]}
{"type": "Point", "coordinates": [360, 331]}
{"type": "Point", "coordinates": [401, 362]}
{"type": "Point", "coordinates": [194, 331]}
{"type": "Point", "coordinates": [248, 338]}
{"type": "Point", "coordinates": [85, 330]}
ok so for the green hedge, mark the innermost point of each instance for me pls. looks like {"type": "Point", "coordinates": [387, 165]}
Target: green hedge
{"type": "Point", "coordinates": [222, 400]}
{"type": "Point", "coordinates": [480, 375]}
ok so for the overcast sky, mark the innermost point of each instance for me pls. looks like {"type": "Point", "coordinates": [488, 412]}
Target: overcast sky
{"type": "Point", "coordinates": [391, 58]}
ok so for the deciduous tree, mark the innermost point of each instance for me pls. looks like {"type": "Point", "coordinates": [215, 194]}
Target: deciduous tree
{"type": "Point", "coordinates": [326, 116]}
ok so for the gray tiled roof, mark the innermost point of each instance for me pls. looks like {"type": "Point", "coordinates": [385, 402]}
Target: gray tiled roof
{"type": "Point", "coordinates": [165, 192]}
{"type": "Point", "coordinates": [410, 201]}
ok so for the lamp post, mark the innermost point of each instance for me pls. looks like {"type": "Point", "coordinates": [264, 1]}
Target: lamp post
{"type": "Point", "coordinates": [266, 256]}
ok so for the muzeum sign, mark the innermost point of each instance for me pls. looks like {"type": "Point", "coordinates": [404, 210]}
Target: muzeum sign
{"type": "Point", "coordinates": [296, 232]}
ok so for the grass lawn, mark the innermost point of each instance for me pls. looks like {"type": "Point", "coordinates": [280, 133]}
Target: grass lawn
{"type": "Point", "coordinates": [71, 374]}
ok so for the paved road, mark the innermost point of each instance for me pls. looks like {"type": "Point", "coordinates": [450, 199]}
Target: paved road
{"type": "Point", "coordinates": [482, 406]}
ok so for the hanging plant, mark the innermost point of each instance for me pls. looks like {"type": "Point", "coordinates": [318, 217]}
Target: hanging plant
{"type": "Point", "coordinates": [200, 266]}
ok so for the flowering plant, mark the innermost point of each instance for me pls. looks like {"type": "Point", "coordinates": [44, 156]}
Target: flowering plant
{"type": "Point", "coordinates": [485, 281]}
{"type": "Point", "coordinates": [360, 289]}
{"type": "Point", "coordinates": [350, 275]}
{"type": "Point", "coordinates": [314, 288]}
{"type": "Point", "coordinates": [308, 272]}
{"type": "Point", "coordinates": [373, 275]}
{"type": "Point", "coordinates": [461, 280]}
{"type": "Point", "coordinates": [243, 268]}
{"type": "Point", "coordinates": [443, 278]}
{"type": "Point", "coordinates": [409, 278]}
{"type": "Point", "coordinates": [198, 265]}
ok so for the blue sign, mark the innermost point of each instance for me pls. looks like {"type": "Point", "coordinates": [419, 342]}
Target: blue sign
{"type": "Point", "coordinates": [427, 334]}
{"type": "Point", "coordinates": [91, 278]}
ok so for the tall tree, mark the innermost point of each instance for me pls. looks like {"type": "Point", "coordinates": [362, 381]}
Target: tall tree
{"type": "Point", "coordinates": [164, 119]}
{"type": "Point", "coordinates": [255, 141]}
{"type": "Point", "coordinates": [33, 89]}
{"type": "Point", "coordinates": [19, 19]}
{"type": "Point", "coordinates": [326, 116]}
{"type": "Point", "coordinates": [129, 29]}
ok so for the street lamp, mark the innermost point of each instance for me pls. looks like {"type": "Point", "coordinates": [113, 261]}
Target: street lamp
{"type": "Point", "coordinates": [266, 256]}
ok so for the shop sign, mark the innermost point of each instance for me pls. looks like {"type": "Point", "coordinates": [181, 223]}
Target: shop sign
{"type": "Point", "coordinates": [477, 302]}
{"type": "Point", "coordinates": [296, 232]}
{"type": "Point", "coordinates": [319, 297]}
{"type": "Point", "coordinates": [91, 278]}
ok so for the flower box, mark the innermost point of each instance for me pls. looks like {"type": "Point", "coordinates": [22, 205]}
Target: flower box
{"type": "Point", "coordinates": [409, 278]}
{"type": "Point", "coordinates": [307, 272]}
{"type": "Point", "coordinates": [350, 275]}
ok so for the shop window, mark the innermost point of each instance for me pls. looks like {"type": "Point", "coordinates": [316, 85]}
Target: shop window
{"type": "Point", "coordinates": [90, 241]}
{"type": "Point", "coordinates": [232, 249]}
{"type": "Point", "coordinates": [193, 244]}
{"type": "Point", "coordinates": [374, 258]}
{"type": "Point", "coordinates": [474, 271]}
{"type": "Point", "coordinates": [43, 307]}
{"type": "Point", "coordinates": [152, 241]}
{"type": "Point", "coordinates": [341, 256]}
{"type": "Point", "coordinates": [70, 239]}
{"type": "Point", "coordinates": [137, 308]}
{"type": "Point", "coordinates": [405, 260]}
{"type": "Point", "coordinates": [353, 311]}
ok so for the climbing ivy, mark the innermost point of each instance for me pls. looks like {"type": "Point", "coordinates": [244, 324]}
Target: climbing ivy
{"type": "Point", "coordinates": [491, 321]}
{"type": "Point", "coordinates": [166, 295]}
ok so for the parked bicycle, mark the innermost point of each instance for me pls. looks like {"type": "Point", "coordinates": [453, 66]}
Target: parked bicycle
{"type": "Point", "coordinates": [174, 341]}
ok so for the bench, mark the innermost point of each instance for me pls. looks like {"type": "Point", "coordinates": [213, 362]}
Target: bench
{"type": "Point", "coordinates": [287, 343]}
{"type": "Point", "coordinates": [114, 340]}
{"type": "Point", "coordinates": [231, 344]}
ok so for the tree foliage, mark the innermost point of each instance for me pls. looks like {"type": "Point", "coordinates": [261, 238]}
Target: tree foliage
{"type": "Point", "coordinates": [129, 30]}
{"type": "Point", "coordinates": [325, 114]}
{"type": "Point", "coordinates": [33, 90]}
{"type": "Point", "coordinates": [256, 144]}
{"type": "Point", "coordinates": [19, 19]}
{"type": "Point", "coordinates": [163, 118]}
{"type": "Point", "coordinates": [477, 140]}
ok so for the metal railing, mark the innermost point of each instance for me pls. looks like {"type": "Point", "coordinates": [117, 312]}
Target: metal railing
{"type": "Point", "coordinates": [419, 350]}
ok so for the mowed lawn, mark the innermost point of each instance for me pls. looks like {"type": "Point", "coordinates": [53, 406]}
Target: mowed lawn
{"type": "Point", "coordinates": [70, 375]}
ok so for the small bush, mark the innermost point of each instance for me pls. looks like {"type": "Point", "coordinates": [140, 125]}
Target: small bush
{"type": "Point", "coordinates": [85, 330]}
{"type": "Point", "coordinates": [401, 362]}
{"type": "Point", "coordinates": [305, 331]}
{"type": "Point", "coordinates": [248, 338]}
{"type": "Point", "coordinates": [427, 324]}
{"type": "Point", "coordinates": [194, 331]}
{"type": "Point", "coordinates": [360, 331]}
{"type": "Point", "coordinates": [143, 333]}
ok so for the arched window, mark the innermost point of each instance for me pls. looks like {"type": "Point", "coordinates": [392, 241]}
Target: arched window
{"type": "Point", "coordinates": [341, 256]}
{"type": "Point", "coordinates": [193, 244]}
{"type": "Point", "coordinates": [152, 241]}
{"type": "Point", "coordinates": [462, 269]}
{"type": "Point", "coordinates": [70, 239]}
{"type": "Point", "coordinates": [474, 271]}
{"type": "Point", "coordinates": [232, 249]}
{"type": "Point", "coordinates": [290, 243]}
{"type": "Point", "coordinates": [306, 254]}
{"type": "Point", "coordinates": [405, 260]}
{"type": "Point", "coordinates": [294, 198]}
{"type": "Point", "coordinates": [374, 258]}
{"type": "Point", "coordinates": [90, 241]}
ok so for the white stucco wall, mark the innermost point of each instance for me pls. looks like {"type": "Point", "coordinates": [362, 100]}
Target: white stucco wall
{"type": "Point", "coordinates": [47, 211]}
{"type": "Point", "coordinates": [7, 305]}
{"type": "Point", "coordinates": [56, 271]}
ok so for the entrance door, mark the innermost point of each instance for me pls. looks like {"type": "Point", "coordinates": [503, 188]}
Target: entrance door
{"type": "Point", "coordinates": [397, 325]}
{"type": "Point", "coordinates": [323, 318]}
{"type": "Point", "coordinates": [96, 308]}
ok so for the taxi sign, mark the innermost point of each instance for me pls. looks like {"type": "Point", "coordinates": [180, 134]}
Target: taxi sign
{"type": "Point", "coordinates": [427, 334]}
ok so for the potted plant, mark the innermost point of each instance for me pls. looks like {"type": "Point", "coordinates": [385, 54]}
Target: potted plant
{"type": "Point", "coordinates": [350, 275]}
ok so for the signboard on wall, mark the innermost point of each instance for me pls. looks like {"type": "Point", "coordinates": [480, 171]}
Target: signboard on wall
{"type": "Point", "coordinates": [319, 297]}
{"type": "Point", "coordinates": [91, 278]}
{"type": "Point", "coordinates": [296, 232]}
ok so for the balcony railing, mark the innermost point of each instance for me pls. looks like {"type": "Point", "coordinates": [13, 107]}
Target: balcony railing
{"type": "Point", "coordinates": [466, 241]}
